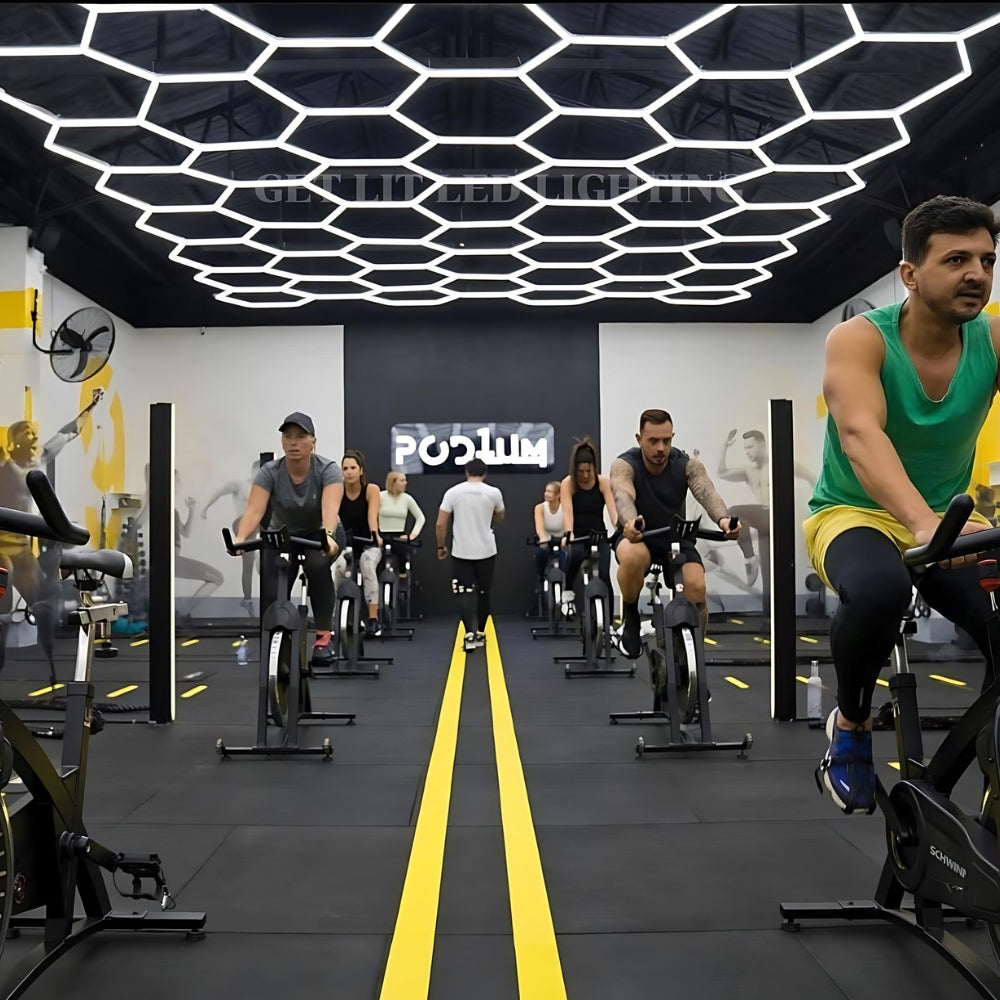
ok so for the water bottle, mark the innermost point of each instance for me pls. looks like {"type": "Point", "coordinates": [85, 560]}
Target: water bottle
{"type": "Point", "coordinates": [241, 652]}
{"type": "Point", "coordinates": [814, 693]}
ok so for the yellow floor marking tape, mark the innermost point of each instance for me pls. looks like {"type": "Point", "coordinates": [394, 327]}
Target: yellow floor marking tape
{"type": "Point", "coordinates": [539, 971]}
{"type": "Point", "coordinates": [806, 638]}
{"type": "Point", "coordinates": [124, 690]}
{"type": "Point", "coordinates": [736, 682]}
{"type": "Point", "coordinates": [947, 680]}
{"type": "Point", "coordinates": [190, 642]}
{"type": "Point", "coordinates": [46, 690]}
{"type": "Point", "coordinates": [195, 690]}
{"type": "Point", "coordinates": [408, 969]}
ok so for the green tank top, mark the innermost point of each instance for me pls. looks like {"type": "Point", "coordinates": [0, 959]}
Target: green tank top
{"type": "Point", "coordinates": [935, 439]}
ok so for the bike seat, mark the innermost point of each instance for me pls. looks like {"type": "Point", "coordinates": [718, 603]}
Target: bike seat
{"type": "Point", "coordinates": [106, 561]}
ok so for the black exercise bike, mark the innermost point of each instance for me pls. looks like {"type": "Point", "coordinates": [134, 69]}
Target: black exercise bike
{"type": "Point", "coordinates": [49, 859]}
{"type": "Point", "coordinates": [677, 658]}
{"type": "Point", "coordinates": [946, 858]}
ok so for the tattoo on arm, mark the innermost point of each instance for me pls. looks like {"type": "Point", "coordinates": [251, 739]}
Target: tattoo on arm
{"type": "Point", "coordinates": [623, 490]}
{"type": "Point", "coordinates": [704, 490]}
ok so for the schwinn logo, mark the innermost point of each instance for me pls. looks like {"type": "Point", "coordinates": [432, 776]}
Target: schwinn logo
{"type": "Point", "coordinates": [419, 448]}
{"type": "Point", "coordinates": [947, 862]}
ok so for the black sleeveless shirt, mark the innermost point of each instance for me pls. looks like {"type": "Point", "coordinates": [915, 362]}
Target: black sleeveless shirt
{"type": "Point", "coordinates": [588, 510]}
{"type": "Point", "coordinates": [354, 515]}
{"type": "Point", "coordinates": [659, 498]}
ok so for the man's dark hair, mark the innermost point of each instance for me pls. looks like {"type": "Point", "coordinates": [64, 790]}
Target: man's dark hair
{"type": "Point", "coordinates": [944, 214]}
{"type": "Point", "coordinates": [654, 417]}
{"type": "Point", "coordinates": [756, 435]}
{"type": "Point", "coordinates": [476, 467]}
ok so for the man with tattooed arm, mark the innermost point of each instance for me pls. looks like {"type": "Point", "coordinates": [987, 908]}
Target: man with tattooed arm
{"type": "Point", "coordinates": [650, 485]}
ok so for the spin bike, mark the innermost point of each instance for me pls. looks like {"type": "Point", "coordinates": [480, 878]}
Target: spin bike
{"type": "Point", "coordinates": [350, 660]}
{"type": "Point", "coordinates": [947, 859]}
{"type": "Point", "coordinates": [391, 591]}
{"type": "Point", "coordinates": [48, 856]}
{"type": "Point", "coordinates": [595, 618]}
{"type": "Point", "coordinates": [677, 660]}
{"type": "Point", "coordinates": [549, 594]}
{"type": "Point", "coordinates": [284, 698]}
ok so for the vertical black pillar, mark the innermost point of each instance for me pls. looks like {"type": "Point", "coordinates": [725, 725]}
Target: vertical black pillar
{"type": "Point", "coordinates": [162, 688]}
{"type": "Point", "coordinates": [782, 561]}
{"type": "Point", "coordinates": [267, 568]}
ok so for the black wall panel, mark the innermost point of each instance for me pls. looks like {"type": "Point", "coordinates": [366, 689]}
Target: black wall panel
{"type": "Point", "coordinates": [423, 371]}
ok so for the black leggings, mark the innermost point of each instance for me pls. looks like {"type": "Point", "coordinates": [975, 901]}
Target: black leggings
{"type": "Point", "coordinates": [575, 557]}
{"type": "Point", "coordinates": [316, 565]}
{"type": "Point", "coordinates": [472, 580]}
{"type": "Point", "coordinates": [867, 571]}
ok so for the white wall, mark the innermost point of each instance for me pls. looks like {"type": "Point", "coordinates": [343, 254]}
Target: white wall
{"type": "Point", "coordinates": [231, 388]}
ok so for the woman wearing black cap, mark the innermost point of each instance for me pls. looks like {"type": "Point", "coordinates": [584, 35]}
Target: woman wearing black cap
{"type": "Point", "coordinates": [584, 497]}
{"type": "Point", "coordinates": [304, 491]}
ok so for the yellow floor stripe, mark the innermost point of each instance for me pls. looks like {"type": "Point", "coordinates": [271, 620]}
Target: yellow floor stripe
{"type": "Point", "coordinates": [710, 642]}
{"type": "Point", "coordinates": [124, 690]}
{"type": "Point", "coordinates": [190, 642]}
{"type": "Point", "coordinates": [736, 682]}
{"type": "Point", "coordinates": [190, 693]}
{"type": "Point", "coordinates": [947, 680]}
{"type": "Point", "coordinates": [806, 638]}
{"type": "Point", "coordinates": [408, 969]}
{"type": "Point", "coordinates": [46, 690]}
{"type": "Point", "coordinates": [139, 642]}
{"type": "Point", "coordinates": [539, 971]}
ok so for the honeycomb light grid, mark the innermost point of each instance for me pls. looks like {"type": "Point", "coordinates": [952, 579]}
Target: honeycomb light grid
{"type": "Point", "coordinates": [248, 221]}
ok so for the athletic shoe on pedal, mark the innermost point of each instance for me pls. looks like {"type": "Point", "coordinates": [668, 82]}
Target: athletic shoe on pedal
{"type": "Point", "coordinates": [568, 607]}
{"type": "Point", "coordinates": [629, 639]}
{"type": "Point", "coordinates": [469, 643]}
{"type": "Point", "coordinates": [372, 629]}
{"type": "Point", "coordinates": [480, 640]}
{"type": "Point", "coordinates": [323, 649]}
{"type": "Point", "coordinates": [848, 768]}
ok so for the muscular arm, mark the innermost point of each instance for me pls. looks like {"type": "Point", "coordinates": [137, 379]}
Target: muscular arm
{"type": "Point", "coordinates": [441, 531]}
{"type": "Point", "coordinates": [853, 392]}
{"type": "Point", "coordinates": [609, 499]}
{"type": "Point", "coordinates": [723, 471]}
{"type": "Point", "coordinates": [623, 491]}
{"type": "Point", "coordinates": [65, 434]}
{"type": "Point", "coordinates": [703, 490]}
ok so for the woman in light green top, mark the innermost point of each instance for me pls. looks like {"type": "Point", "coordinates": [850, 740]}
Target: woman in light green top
{"type": "Point", "coordinates": [394, 506]}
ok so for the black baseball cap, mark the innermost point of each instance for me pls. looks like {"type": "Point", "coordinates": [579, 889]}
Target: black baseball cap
{"type": "Point", "coordinates": [300, 420]}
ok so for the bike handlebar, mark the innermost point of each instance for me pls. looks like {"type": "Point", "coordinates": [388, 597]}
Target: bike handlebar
{"type": "Point", "coordinates": [277, 539]}
{"type": "Point", "coordinates": [682, 529]}
{"type": "Point", "coordinates": [51, 522]}
{"type": "Point", "coordinates": [948, 542]}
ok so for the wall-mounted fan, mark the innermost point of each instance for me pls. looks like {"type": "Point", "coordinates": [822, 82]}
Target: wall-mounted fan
{"type": "Point", "coordinates": [854, 307]}
{"type": "Point", "coordinates": [81, 345]}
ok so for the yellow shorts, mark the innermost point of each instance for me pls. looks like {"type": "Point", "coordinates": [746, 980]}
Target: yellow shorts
{"type": "Point", "coordinates": [823, 527]}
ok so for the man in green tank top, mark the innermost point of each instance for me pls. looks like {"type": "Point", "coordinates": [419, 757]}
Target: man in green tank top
{"type": "Point", "coordinates": [908, 387]}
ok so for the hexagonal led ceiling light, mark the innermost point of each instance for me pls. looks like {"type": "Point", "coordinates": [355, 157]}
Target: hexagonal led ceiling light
{"type": "Point", "coordinates": [471, 161]}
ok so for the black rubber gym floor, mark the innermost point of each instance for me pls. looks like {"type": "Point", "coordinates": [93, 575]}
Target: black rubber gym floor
{"type": "Point", "coordinates": [663, 874]}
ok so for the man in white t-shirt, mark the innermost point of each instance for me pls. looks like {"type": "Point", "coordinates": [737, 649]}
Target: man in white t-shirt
{"type": "Point", "coordinates": [475, 508]}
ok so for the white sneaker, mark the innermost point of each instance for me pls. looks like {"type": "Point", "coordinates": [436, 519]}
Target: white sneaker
{"type": "Point", "coordinates": [469, 643]}
{"type": "Point", "coordinates": [568, 607]}
{"type": "Point", "coordinates": [647, 628]}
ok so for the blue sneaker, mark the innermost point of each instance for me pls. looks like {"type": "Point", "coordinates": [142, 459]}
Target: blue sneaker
{"type": "Point", "coordinates": [848, 769]}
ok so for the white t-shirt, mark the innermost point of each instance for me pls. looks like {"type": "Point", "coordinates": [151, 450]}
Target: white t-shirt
{"type": "Point", "coordinates": [472, 505]}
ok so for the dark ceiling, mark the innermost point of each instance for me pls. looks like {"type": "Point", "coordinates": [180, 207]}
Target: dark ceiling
{"type": "Point", "coordinates": [90, 240]}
